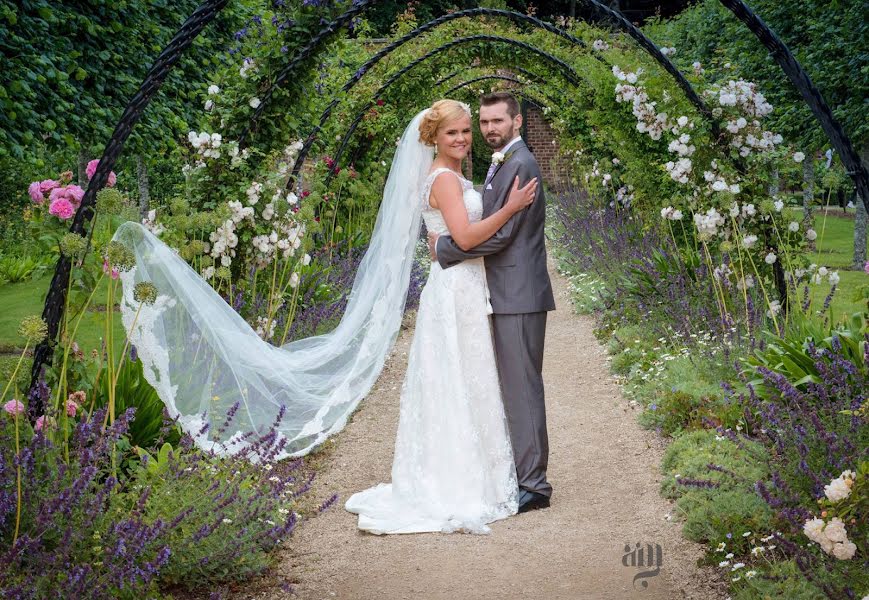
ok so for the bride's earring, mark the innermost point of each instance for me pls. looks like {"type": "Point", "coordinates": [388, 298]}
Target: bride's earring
{"type": "Point", "coordinates": [436, 150]}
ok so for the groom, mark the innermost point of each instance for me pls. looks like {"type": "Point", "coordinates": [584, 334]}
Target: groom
{"type": "Point", "coordinates": [520, 290]}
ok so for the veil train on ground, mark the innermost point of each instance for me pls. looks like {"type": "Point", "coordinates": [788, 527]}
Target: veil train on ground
{"type": "Point", "coordinates": [202, 357]}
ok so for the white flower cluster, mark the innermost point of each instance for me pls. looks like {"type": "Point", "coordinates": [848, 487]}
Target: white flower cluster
{"type": "Point", "coordinates": [680, 145]}
{"type": "Point", "coordinates": [680, 169]}
{"type": "Point", "coordinates": [624, 195]}
{"type": "Point", "coordinates": [213, 90]}
{"type": "Point", "coordinates": [748, 134]}
{"type": "Point", "coordinates": [708, 224]}
{"type": "Point", "coordinates": [840, 488]}
{"type": "Point", "coordinates": [722, 272]}
{"type": "Point", "coordinates": [671, 213]}
{"type": "Point", "coordinates": [207, 145]}
{"type": "Point", "coordinates": [236, 156]}
{"type": "Point", "coordinates": [745, 284]}
{"type": "Point", "coordinates": [600, 45]}
{"type": "Point", "coordinates": [240, 212]}
{"type": "Point", "coordinates": [247, 66]}
{"type": "Point", "coordinates": [151, 224]}
{"type": "Point", "coordinates": [717, 183]}
{"type": "Point", "coordinates": [816, 274]}
{"type": "Point", "coordinates": [648, 120]}
{"type": "Point", "coordinates": [831, 537]}
{"type": "Point", "coordinates": [253, 193]}
{"type": "Point", "coordinates": [223, 243]}
{"type": "Point", "coordinates": [744, 95]}
{"type": "Point", "coordinates": [261, 323]}
{"type": "Point", "coordinates": [655, 124]}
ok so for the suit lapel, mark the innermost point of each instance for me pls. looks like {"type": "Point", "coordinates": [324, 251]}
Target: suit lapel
{"type": "Point", "coordinates": [513, 149]}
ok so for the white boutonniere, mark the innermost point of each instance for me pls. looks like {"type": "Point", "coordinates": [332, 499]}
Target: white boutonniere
{"type": "Point", "coordinates": [497, 158]}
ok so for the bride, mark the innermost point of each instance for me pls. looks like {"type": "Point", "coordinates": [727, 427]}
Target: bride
{"type": "Point", "coordinates": [453, 467]}
{"type": "Point", "coordinates": [235, 393]}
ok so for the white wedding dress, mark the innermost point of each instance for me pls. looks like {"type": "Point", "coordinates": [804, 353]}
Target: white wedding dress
{"type": "Point", "coordinates": [453, 466]}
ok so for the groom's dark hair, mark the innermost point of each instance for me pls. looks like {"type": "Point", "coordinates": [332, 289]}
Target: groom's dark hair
{"type": "Point", "coordinates": [506, 97]}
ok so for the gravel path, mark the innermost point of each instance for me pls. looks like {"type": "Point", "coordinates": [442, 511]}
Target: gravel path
{"type": "Point", "coordinates": [604, 471]}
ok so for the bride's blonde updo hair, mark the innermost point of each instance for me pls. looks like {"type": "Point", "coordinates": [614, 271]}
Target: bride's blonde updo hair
{"type": "Point", "coordinates": [438, 113]}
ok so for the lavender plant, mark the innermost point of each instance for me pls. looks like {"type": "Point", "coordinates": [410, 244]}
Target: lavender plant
{"type": "Point", "coordinates": [177, 516]}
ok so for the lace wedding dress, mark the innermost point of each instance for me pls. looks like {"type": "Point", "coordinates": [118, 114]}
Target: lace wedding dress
{"type": "Point", "coordinates": [453, 466]}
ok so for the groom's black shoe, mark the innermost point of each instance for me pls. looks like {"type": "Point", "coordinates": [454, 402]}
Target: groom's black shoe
{"type": "Point", "coordinates": [532, 501]}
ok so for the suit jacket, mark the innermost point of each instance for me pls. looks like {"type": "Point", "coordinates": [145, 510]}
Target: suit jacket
{"type": "Point", "coordinates": [515, 261]}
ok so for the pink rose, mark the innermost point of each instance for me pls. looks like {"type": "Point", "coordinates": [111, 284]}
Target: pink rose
{"type": "Point", "coordinates": [14, 407]}
{"type": "Point", "coordinates": [866, 267]}
{"type": "Point", "coordinates": [71, 408]}
{"type": "Point", "coordinates": [47, 185]}
{"type": "Point", "coordinates": [92, 168]}
{"type": "Point", "coordinates": [62, 208]}
{"type": "Point", "coordinates": [35, 193]}
{"type": "Point", "coordinates": [74, 193]}
{"type": "Point", "coordinates": [40, 423]}
{"type": "Point", "coordinates": [56, 194]}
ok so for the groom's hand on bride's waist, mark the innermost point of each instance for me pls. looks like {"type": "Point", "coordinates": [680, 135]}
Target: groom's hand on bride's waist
{"type": "Point", "coordinates": [432, 245]}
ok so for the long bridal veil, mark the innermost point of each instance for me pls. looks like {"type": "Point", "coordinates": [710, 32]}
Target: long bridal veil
{"type": "Point", "coordinates": [202, 357]}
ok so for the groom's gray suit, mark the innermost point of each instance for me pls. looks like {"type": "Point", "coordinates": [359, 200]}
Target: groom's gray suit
{"type": "Point", "coordinates": [521, 294]}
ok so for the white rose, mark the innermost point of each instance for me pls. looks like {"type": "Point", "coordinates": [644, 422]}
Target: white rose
{"type": "Point", "coordinates": [799, 157]}
{"type": "Point", "coordinates": [844, 551]}
{"type": "Point", "coordinates": [811, 234]}
{"type": "Point", "coordinates": [835, 530]}
{"type": "Point", "coordinates": [814, 529]}
{"type": "Point", "coordinates": [793, 226]}
{"type": "Point", "coordinates": [254, 102]}
{"type": "Point", "coordinates": [213, 89]}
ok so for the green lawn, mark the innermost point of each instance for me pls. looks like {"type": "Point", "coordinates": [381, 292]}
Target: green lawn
{"type": "Point", "coordinates": [835, 241]}
{"type": "Point", "coordinates": [835, 249]}
{"type": "Point", "coordinates": [18, 300]}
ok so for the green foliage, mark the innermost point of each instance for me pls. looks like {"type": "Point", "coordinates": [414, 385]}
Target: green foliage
{"type": "Point", "coordinates": [828, 41]}
{"type": "Point", "coordinates": [730, 508]}
{"type": "Point", "coordinates": [779, 579]}
{"type": "Point", "coordinates": [789, 355]}
{"type": "Point", "coordinates": [133, 391]}
{"type": "Point", "coordinates": [15, 269]}
{"type": "Point", "coordinates": [238, 505]}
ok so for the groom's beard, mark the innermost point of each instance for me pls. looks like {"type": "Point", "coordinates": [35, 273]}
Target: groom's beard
{"type": "Point", "coordinates": [498, 141]}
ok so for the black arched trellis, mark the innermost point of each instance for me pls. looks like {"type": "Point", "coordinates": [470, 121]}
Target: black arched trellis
{"type": "Point", "coordinates": [346, 139]}
{"type": "Point", "coordinates": [812, 96]}
{"type": "Point", "coordinates": [563, 68]}
{"type": "Point", "coordinates": [283, 76]}
{"type": "Point", "coordinates": [193, 26]}
{"type": "Point", "coordinates": [645, 43]}
{"type": "Point", "coordinates": [516, 69]}
{"type": "Point", "coordinates": [498, 78]}
{"type": "Point", "coordinates": [56, 297]}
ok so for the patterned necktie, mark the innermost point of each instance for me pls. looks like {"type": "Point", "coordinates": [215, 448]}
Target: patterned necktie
{"type": "Point", "coordinates": [491, 171]}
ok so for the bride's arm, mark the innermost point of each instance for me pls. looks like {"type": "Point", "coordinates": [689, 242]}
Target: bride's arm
{"type": "Point", "coordinates": [447, 196]}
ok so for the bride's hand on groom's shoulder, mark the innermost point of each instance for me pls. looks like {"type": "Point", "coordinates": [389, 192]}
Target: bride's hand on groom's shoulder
{"type": "Point", "coordinates": [520, 198]}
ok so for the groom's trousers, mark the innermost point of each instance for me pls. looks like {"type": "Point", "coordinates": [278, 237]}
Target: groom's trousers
{"type": "Point", "coordinates": [518, 340]}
